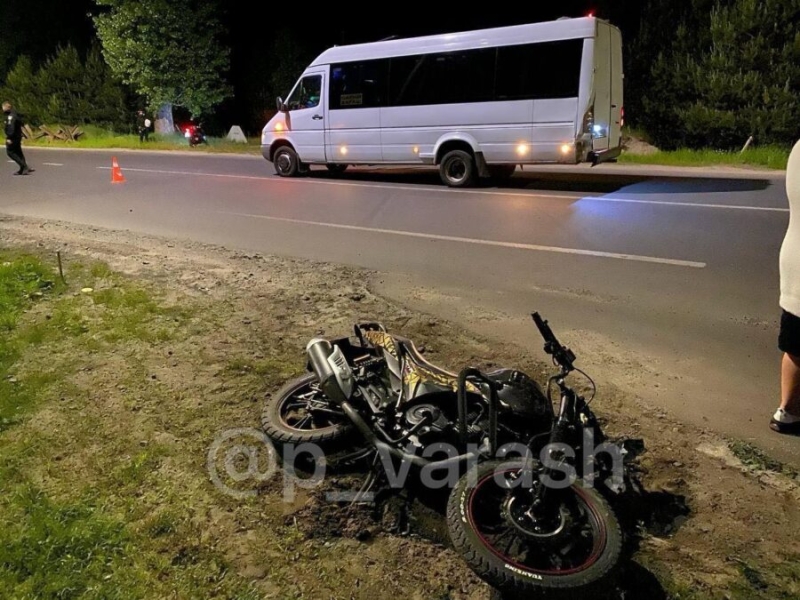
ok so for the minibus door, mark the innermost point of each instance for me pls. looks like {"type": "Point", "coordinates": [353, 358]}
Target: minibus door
{"type": "Point", "coordinates": [305, 119]}
{"type": "Point", "coordinates": [602, 90]}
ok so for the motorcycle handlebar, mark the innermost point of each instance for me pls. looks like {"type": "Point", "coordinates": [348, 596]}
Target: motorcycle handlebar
{"type": "Point", "coordinates": [544, 328]}
{"type": "Point", "coordinates": [563, 356]}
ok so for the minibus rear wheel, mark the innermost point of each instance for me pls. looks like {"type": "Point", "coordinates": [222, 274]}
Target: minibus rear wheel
{"type": "Point", "coordinates": [286, 162]}
{"type": "Point", "coordinates": [457, 169]}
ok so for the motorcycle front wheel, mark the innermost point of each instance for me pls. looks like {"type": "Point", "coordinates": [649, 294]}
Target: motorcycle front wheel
{"type": "Point", "coordinates": [573, 553]}
{"type": "Point", "coordinates": [301, 413]}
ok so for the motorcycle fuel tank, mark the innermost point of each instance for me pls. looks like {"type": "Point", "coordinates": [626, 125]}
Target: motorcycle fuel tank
{"type": "Point", "coordinates": [522, 396]}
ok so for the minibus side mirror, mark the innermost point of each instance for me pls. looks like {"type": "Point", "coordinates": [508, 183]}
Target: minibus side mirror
{"type": "Point", "coordinates": [281, 105]}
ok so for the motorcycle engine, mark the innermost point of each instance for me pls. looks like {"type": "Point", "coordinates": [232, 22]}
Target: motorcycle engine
{"type": "Point", "coordinates": [437, 422]}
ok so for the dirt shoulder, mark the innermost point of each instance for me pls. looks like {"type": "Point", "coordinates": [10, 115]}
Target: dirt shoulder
{"type": "Point", "coordinates": [130, 424]}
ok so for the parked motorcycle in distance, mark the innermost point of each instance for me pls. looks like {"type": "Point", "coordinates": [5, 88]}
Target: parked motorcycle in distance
{"type": "Point", "coordinates": [195, 134]}
{"type": "Point", "coordinates": [539, 524]}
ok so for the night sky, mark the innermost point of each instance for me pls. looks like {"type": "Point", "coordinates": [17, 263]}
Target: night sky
{"type": "Point", "coordinates": [325, 28]}
{"type": "Point", "coordinates": [37, 27]}
{"type": "Point", "coordinates": [332, 27]}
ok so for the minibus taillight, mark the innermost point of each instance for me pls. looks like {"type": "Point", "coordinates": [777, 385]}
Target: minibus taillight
{"type": "Point", "coordinates": [588, 122]}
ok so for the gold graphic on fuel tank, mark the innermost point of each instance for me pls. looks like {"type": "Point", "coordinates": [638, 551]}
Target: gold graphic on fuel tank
{"type": "Point", "coordinates": [382, 340]}
{"type": "Point", "coordinates": [414, 374]}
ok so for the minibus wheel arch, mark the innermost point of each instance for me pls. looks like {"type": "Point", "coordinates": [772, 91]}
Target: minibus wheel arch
{"type": "Point", "coordinates": [278, 144]}
{"type": "Point", "coordinates": [451, 145]}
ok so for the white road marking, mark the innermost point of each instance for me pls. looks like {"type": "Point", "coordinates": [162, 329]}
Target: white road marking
{"type": "Point", "coordinates": [445, 190]}
{"type": "Point", "coordinates": [463, 240]}
{"type": "Point", "coordinates": [348, 183]}
{"type": "Point", "coordinates": [54, 164]}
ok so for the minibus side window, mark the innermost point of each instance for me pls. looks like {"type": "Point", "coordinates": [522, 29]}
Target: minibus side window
{"type": "Point", "coordinates": [442, 78]}
{"type": "Point", "coordinates": [306, 93]}
{"type": "Point", "coordinates": [542, 70]}
{"type": "Point", "coordinates": [358, 84]}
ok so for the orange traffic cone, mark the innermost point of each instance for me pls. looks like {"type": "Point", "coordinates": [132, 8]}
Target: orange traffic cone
{"type": "Point", "coordinates": [116, 172]}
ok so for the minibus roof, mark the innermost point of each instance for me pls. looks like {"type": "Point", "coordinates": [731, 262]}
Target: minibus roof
{"type": "Point", "coordinates": [561, 29]}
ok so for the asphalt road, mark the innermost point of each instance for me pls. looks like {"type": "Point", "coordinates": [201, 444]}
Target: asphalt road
{"type": "Point", "coordinates": [664, 280]}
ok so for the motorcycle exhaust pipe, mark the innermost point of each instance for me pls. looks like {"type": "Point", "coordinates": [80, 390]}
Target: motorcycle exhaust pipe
{"type": "Point", "coordinates": [381, 446]}
{"type": "Point", "coordinates": [370, 436]}
{"type": "Point", "coordinates": [318, 351]}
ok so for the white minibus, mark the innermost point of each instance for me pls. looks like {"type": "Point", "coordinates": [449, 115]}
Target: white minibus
{"type": "Point", "coordinates": [475, 104]}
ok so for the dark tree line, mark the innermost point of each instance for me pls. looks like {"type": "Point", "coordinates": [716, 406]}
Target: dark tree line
{"type": "Point", "coordinates": [711, 73]}
{"type": "Point", "coordinates": [69, 89]}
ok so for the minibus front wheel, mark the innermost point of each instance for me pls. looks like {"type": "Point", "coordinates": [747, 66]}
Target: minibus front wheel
{"type": "Point", "coordinates": [286, 162]}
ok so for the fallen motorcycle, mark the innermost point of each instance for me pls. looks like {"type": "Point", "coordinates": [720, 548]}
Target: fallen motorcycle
{"type": "Point", "coordinates": [539, 523]}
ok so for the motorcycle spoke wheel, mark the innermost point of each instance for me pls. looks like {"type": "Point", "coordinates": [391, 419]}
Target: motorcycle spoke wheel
{"type": "Point", "coordinates": [301, 413]}
{"type": "Point", "coordinates": [310, 411]}
{"type": "Point", "coordinates": [572, 551]}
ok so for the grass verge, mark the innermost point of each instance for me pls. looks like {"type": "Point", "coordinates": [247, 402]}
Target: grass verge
{"type": "Point", "coordinates": [75, 521]}
{"type": "Point", "coordinates": [755, 458]}
{"type": "Point", "coordinates": [24, 281]}
{"type": "Point", "coordinates": [771, 157]}
{"type": "Point", "coordinates": [97, 138]}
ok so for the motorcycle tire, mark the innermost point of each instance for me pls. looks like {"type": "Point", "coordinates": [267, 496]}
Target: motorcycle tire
{"type": "Point", "coordinates": [303, 426]}
{"type": "Point", "coordinates": [473, 527]}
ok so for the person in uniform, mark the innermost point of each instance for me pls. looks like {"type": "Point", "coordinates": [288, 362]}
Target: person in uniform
{"type": "Point", "coordinates": [13, 129]}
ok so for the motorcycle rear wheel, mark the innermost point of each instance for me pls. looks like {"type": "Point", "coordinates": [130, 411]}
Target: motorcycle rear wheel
{"type": "Point", "coordinates": [301, 413]}
{"type": "Point", "coordinates": [579, 561]}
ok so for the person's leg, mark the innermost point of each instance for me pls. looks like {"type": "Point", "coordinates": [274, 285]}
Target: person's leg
{"type": "Point", "coordinates": [11, 150]}
{"type": "Point", "coordinates": [27, 169]}
{"type": "Point", "coordinates": [790, 384]}
{"type": "Point", "coordinates": [787, 418]}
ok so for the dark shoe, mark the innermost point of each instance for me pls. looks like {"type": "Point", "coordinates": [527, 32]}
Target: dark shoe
{"type": "Point", "coordinates": [787, 428]}
{"type": "Point", "coordinates": [27, 171]}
